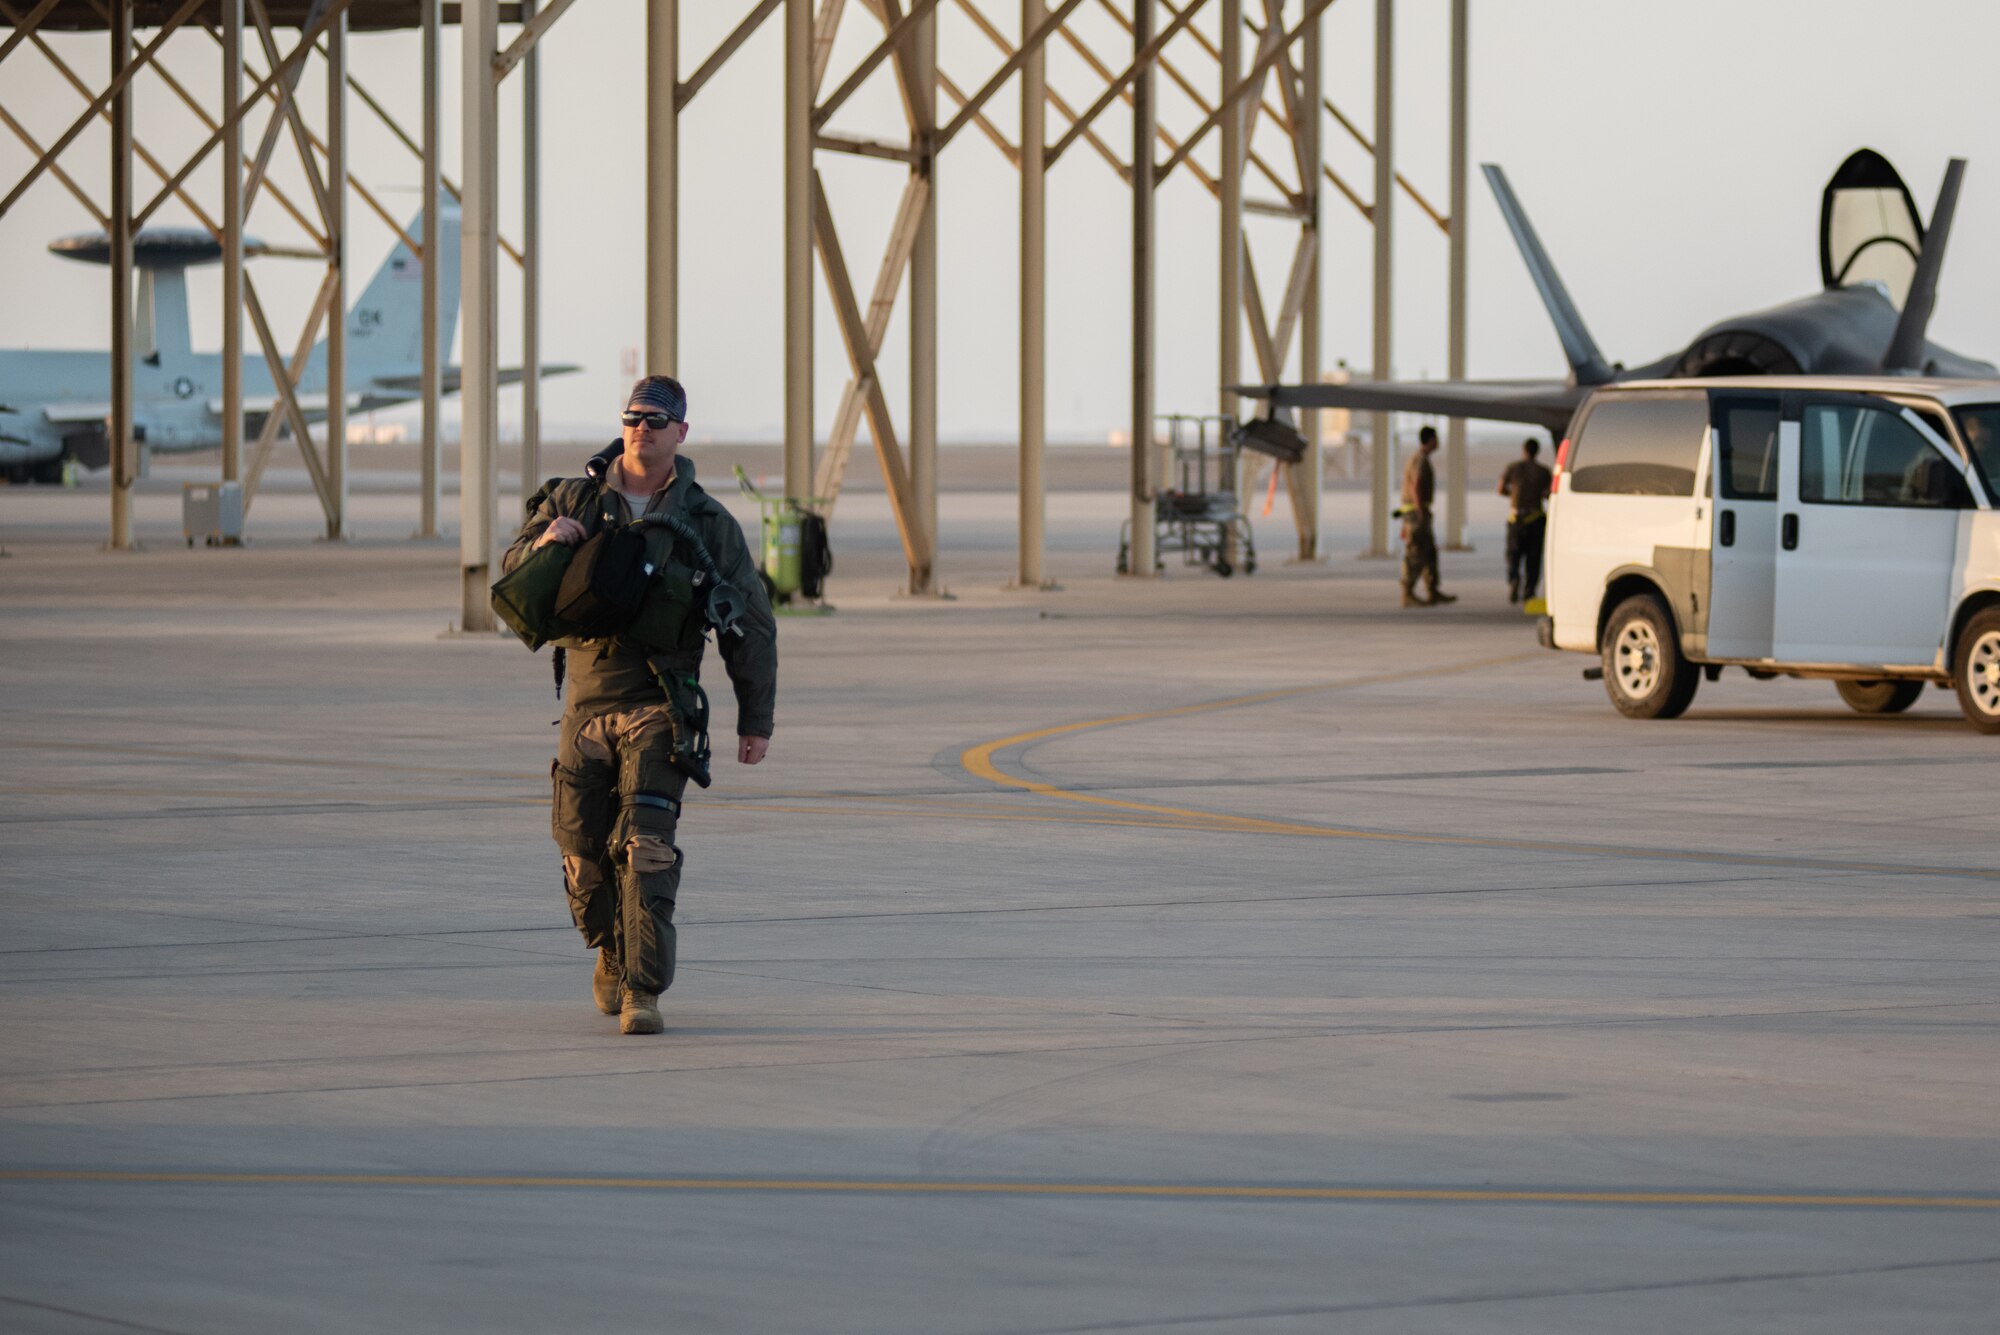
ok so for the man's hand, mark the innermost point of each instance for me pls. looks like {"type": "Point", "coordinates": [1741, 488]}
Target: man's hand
{"type": "Point", "coordinates": [562, 529]}
{"type": "Point", "coordinates": [750, 750]}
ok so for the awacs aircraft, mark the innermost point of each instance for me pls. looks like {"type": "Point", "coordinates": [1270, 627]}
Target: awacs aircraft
{"type": "Point", "coordinates": [1879, 268]}
{"type": "Point", "coordinates": [54, 404]}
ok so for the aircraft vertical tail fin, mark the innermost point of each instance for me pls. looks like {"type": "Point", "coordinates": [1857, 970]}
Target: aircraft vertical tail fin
{"type": "Point", "coordinates": [385, 325]}
{"type": "Point", "coordinates": [1907, 350]}
{"type": "Point", "coordinates": [1586, 363]}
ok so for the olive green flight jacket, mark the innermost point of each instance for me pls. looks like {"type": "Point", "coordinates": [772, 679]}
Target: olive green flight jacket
{"type": "Point", "coordinates": [611, 674]}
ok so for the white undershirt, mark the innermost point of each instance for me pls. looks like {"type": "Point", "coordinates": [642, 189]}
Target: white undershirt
{"type": "Point", "coordinates": [638, 500]}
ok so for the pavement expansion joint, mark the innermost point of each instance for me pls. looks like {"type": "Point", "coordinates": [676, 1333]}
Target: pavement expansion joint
{"type": "Point", "coordinates": [1133, 1190]}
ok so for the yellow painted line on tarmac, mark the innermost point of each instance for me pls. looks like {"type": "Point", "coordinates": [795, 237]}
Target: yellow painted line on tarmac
{"type": "Point", "coordinates": [1162, 1190]}
{"type": "Point", "coordinates": [1028, 817]}
{"type": "Point", "coordinates": [166, 752]}
{"type": "Point", "coordinates": [979, 762]}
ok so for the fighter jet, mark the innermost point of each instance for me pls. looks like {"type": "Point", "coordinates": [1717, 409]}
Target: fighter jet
{"type": "Point", "coordinates": [1879, 269]}
{"type": "Point", "coordinates": [54, 404]}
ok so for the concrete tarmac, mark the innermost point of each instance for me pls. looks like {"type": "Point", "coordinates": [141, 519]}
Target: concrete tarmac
{"type": "Point", "coordinates": [1183, 955]}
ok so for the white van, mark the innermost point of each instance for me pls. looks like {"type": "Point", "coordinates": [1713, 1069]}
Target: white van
{"type": "Point", "coordinates": [1821, 526]}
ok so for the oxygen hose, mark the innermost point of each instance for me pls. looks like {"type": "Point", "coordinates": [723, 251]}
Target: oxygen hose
{"type": "Point", "coordinates": [723, 606]}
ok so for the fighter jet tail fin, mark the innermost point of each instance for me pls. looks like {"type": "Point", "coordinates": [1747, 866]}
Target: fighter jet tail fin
{"type": "Point", "coordinates": [1907, 349]}
{"type": "Point", "coordinates": [1586, 363]}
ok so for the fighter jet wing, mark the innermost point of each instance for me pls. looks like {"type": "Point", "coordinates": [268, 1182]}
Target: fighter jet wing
{"type": "Point", "coordinates": [1546, 403]}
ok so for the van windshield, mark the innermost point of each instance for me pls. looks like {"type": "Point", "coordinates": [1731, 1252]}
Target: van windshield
{"type": "Point", "coordinates": [1979, 423]}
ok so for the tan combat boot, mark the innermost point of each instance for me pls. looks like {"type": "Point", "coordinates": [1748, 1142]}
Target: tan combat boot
{"type": "Point", "coordinates": [640, 1013]}
{"type": "Point", "coordinates": [606, 981]}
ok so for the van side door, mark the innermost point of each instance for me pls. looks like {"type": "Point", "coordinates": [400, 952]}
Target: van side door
{"type": "Point", "coordinates": [1743, 540]}
{"type": "Point", "coordinates": [1868, 534]}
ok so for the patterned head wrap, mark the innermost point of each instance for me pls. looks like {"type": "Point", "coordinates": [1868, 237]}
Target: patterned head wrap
{"type": "Point", "coordinates": [660, 394]}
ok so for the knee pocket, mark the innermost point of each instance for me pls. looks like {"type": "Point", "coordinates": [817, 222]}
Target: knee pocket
{"type": "Point", "coordinates": [649, 854]}
{"type": "Point", "coordinates": [644, 832]}
{"type": "Point", "coordinates": [580, 816]}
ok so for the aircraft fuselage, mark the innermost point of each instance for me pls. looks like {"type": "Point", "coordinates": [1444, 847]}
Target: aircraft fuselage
{"type": "Point", "coordinates": [174, 402]}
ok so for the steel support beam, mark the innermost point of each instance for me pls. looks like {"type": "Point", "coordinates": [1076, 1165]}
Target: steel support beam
{"type": "Point", "coordinates": [1381, 446]}
{"type": "Point", "coordinates": [798, 249]}
{"type": "Point", "coordinates": [336, 262]}
{"type": "Point", "coordinates": [531, 251]}
{"type": "Point", "coordinates": [1033, 488]}
{"type": "Point", "coordinates": [430, 482]}
{"type": "Point", "coordinates": [232, 242]}
{"type": "Point", "coordinates": [1140, 561]}
{"type": "Point", "coordinates": [663, 150]}
{"type": "Point", "coordinates": [124, 450]}
{"type": "Point", "coordinates": [926, 138]}
{"type": "Point", "coordinates": [1306, 474]}
{"type": "Point", "coordinates": [479, 395]}
{"type": "Point", "coordinates": [1455, 460]}
{"type": "Point", "coordinates": [1236, 123]}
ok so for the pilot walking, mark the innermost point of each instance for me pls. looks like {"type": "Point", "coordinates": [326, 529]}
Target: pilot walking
{"type": "Point", "coordinates": [1420, 549]}
{"type": "Point", "coordinates": [1525, 484]}
{"type": "Point", "coordinates": [622, 757]}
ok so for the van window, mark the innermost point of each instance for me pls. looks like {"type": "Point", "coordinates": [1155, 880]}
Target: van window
{"type": "Point", "coordinates": [1639, 446]}
{"type": "Point", "coordinates": [1979, 423]}
{"type": "Point", "coordinates": [1851, 454]}
{"type": "Point", "coordinates": [1746, 434]}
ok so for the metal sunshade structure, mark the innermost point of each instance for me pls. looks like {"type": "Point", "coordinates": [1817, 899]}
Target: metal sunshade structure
{"type": "Point", "coordinates": [1282, 38]}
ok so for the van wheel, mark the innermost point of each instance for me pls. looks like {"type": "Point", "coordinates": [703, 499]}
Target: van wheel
{"type": "Point", "coordinates": [1976, 667]}
{"type": "Point", "coordinates": [1879, 697]}
{"type": "Point", "coordinates": [1645, 673]}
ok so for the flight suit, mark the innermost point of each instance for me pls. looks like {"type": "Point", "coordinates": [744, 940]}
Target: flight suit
{"type": "Point", "coordinates": [617, 789]}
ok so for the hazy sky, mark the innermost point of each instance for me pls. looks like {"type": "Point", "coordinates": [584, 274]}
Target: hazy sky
{"type": "Point", "coordinates": [1670, 155]}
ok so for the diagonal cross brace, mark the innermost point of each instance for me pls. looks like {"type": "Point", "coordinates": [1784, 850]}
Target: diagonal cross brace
{"type": "Point", "coordinates": [1140, 60]}
{"type": "Point", "coordinates": [1231, 96]}
{"type": "Point", "coordinates": [684, 93]}
{"type": "Point", "coordinates": [889, 43]}
{"type": "Point", "coordinates": [334, 9]}
{"type": "Point", "coordinates": [101, 101]}
{"type": "Point", "coordinates": [895, 473]}
{"type": "Point", "coordinates": [286, 111]}
{"type": "Point", "coordinates": [1029, 44]}
{"type": "Point", "coordinates": [286, 387]}
{"type": "Point", "coordinates": [24, 28]}
{"type": "Point", "coordinates": [276, 417]}
{"type": "Point", "coordinates": [68, 181]}
{"type": "Point", "coordinates": [888, 279]}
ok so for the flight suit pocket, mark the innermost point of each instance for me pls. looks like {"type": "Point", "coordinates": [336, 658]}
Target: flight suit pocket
{"type": "Point", "coordinates": [580, 814]}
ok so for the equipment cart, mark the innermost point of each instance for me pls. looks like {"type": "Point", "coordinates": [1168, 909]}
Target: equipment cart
{"type": "Point", "coordinates": [1196, 514]}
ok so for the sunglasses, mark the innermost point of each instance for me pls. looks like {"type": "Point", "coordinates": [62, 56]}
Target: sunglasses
{"type": "Point", "coordinates": [654, 420]}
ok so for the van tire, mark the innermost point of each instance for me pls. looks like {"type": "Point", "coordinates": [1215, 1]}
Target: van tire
{"type": "Point", "coordinates": [1879, 697]}
{"type": "Point", "coordinates": [1645, 673]}
{"type": "Point", "coordinates": [1975, 666]}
